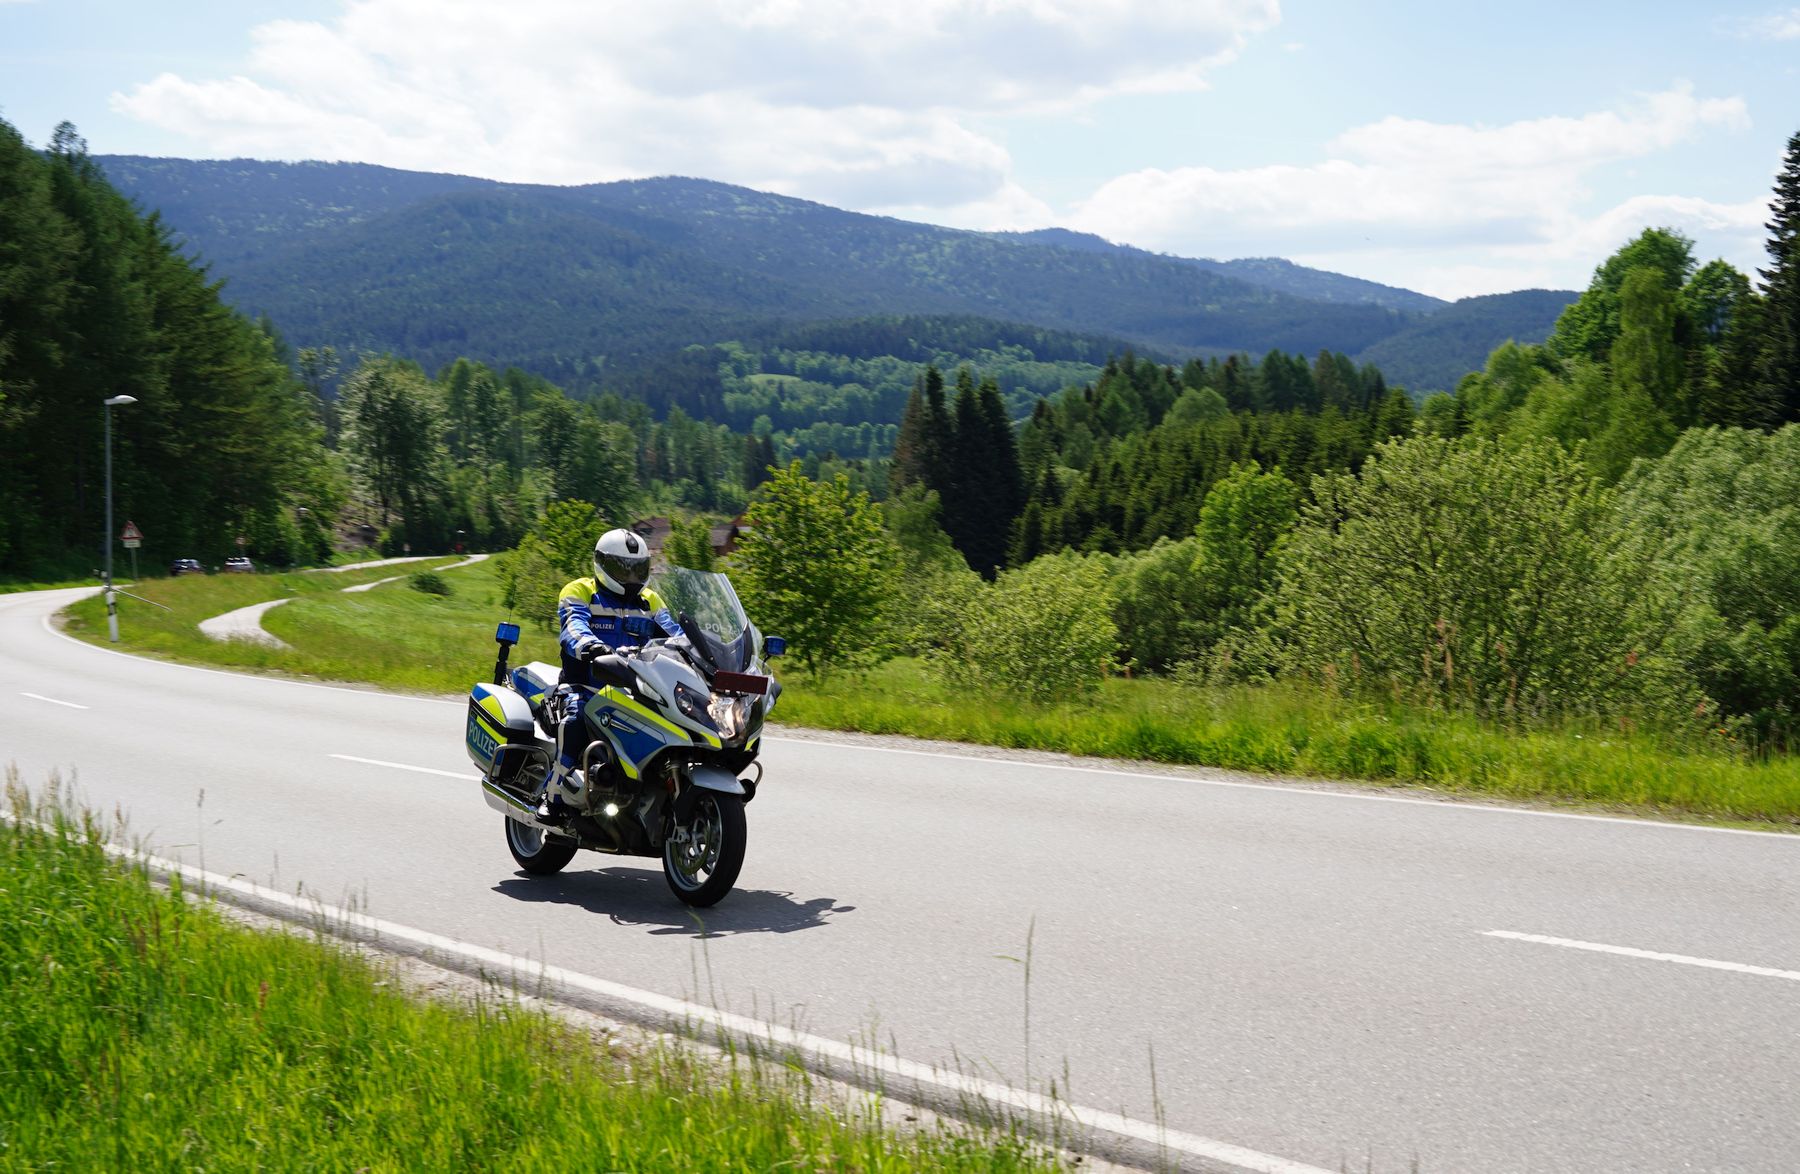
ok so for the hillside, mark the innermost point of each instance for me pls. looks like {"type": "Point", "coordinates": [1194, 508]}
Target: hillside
{"type": "Point", "coordinates": [1433, 353]}
{"type": "Point", "coordinates": [597, 283]}
{"type": "Point", "coordinates": [1272, 273]}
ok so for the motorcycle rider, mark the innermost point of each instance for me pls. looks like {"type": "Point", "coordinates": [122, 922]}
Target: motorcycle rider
{"type": "Point", "coordinates": [611, 612]}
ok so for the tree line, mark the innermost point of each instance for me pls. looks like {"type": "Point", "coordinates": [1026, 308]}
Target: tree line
{"type": "Point", "coordinates": [1604, 527]}
{"type": "Point", "coordinates": [96, 301]}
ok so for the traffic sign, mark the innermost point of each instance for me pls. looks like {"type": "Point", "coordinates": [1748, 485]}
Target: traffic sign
{"type": "Point", "coordinates": [133, 543]}
{"type": "Point", "coordinates": [131, 533]}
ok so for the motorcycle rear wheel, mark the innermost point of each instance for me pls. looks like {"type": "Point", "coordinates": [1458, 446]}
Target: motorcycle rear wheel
{"type": "Point", "coordinates": [702, 868]}
{"type": "Point", "coordinates": [537, 851]}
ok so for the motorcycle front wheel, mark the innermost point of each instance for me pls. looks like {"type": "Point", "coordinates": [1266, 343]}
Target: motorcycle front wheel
{"type": "Point", "coordinates": [701, 860]}
{"type": "Point", "coordinates": [536, 851]}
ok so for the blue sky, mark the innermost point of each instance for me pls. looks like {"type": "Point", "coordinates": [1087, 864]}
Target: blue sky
{"type": "Point", "coordinates": [1453, 149]}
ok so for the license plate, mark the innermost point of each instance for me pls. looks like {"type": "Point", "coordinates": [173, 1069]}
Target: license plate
{"type": "Point", "coordinates": [740, 683]}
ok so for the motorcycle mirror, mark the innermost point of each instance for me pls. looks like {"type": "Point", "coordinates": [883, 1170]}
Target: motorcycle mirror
{"type": "Point", "coordinates": [506, 634]}
{"type": "Point", "coordinates": [774, 646]}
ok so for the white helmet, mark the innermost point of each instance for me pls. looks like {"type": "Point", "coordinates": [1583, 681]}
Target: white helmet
{"type": "Point", "coordinates": [622, 562]}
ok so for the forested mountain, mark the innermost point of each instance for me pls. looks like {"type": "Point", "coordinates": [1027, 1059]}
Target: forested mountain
{"type": "Point", "coordinates": [1432, 353]}
{"type": "Point", "coordinates": [1269, 272]}
{"type": "Point", "coordinates": [596, 285]}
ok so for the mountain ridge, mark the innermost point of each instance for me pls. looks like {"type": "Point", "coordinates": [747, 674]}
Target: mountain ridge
{"type": "Point", "coordinates": [570, 281]}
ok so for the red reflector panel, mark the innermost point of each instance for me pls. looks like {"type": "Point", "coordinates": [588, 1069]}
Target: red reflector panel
{"type": "Point", "coordinates": [740, 683]}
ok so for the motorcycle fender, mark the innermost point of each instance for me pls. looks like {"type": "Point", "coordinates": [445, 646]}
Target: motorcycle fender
{"type": "Point", "coordinates": [715, 778]}
{"type": "Point", "coordinates": [704, 778]}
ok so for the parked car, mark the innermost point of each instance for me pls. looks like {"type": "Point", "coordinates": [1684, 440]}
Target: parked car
{"type": "Point", "coordinates": [186, 566]}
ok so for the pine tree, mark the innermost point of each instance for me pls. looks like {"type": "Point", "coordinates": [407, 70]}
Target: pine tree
{"type": "Point", "coordinates": [908, 466]}
{"type": "Point", "coordinates": [750, 471]}
{"type": "Point", "coordinates": [963, 488]}
{"type": "Point", "coordinates": [1779, 367]}
{"type": "Point", "coordinates": [1002, 492]}
{"type": "Point", "coordinates": [1394, 417]}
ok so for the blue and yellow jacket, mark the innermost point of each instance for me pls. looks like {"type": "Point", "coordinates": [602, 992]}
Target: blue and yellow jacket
{"type": "Point", "coordinates": [589, 614]}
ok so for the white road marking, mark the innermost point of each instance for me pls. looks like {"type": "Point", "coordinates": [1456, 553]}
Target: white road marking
{"type": "Point", "coordinates": [741, 1026]}
{"type": "Point", "coordinates": [1652, 955]}
{"type": "Point", "coordinates": [52, 700]}
{"type": "Point", "coordinates": [1281, 788]}
{"type": "Point", "coordinates": [1440, 804]}
{"type": "Point", "coordinates": [465, 775]}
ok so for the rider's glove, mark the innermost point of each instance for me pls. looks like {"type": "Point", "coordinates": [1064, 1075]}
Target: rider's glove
{"type": "Point", "coordinates": [627, 650]}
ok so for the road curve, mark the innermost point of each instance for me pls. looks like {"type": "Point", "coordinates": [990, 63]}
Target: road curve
{"type": "Point", "coordinates": [1331, 976]}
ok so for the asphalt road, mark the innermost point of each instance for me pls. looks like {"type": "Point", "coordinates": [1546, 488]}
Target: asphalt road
{"type": "Point", "coordinates": [1312, 974]}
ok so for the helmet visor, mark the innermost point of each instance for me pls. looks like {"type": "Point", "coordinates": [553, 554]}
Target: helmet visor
{"type": "Point", "coordinates": [630, 571]}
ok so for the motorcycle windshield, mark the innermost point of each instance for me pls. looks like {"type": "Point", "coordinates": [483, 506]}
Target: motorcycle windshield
{"type": "Point", "coordinates": [709, 612]}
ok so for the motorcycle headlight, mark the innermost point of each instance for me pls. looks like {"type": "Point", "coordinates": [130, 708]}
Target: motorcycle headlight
{"type": "Point", "coordinates": [692, 704]}
{"type": "Point", "coordinates": [729, 714]}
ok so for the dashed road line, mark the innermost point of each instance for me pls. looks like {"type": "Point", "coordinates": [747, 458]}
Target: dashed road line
{"type": "Point", "coordinates": [465, 775]}
{"type": "Point", "coordinates": [1651, 955]}
{"type": "Point", "coordinates": [52, 700]}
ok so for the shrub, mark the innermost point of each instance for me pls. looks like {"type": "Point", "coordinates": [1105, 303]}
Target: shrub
{"type": "Point", "coordinates": [1723, 507]}
{"type": "Point", "coordinates": [690, 545]}
{"type": "Point", "coordinates": [1043, 632]}
{"type": "Point", "coordinates": [1159, 605]}
{"type": "Point", "coordinates": [1178, 600]}
{"type": "Point", "coordinates": [1475, 572]}
{"type": "Point", "coordinates": [429, 582]}
{"type": "Point", "coordinates": [933, 582]}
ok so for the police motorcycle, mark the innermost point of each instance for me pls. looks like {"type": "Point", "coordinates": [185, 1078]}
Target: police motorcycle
{"type": "Point", "coordinates": [673, 731]}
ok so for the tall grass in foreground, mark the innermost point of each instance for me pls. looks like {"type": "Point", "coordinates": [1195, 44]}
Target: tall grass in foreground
{"type": "Point", "coordinates": [145, 1031]}
{"type": "Point", "coordinates": [1287, 731]}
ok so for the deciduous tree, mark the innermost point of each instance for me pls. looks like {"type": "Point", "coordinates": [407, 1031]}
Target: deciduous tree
{"type": "Point", "coordinates": [817, 567]}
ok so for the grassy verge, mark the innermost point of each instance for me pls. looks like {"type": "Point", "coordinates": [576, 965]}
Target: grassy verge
{"type": "Point", "coordinates": [390, 635]}
{"type": "Point", "coordinates": [144, 1031]}
{"type": "Point", "coordinates": [1289, 732]}
{"type": "Point", "coordinates": [400, 638]}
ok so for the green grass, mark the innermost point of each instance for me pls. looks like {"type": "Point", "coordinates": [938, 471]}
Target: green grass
{"type": "Point", "coordinates": [391, 635]}
{"type": "Point", "coordinates": [1282, 731]}
{"type": "Point", "coordinates": [145, 1031]}
{"type": "Point", "coordinates": [400, 638]}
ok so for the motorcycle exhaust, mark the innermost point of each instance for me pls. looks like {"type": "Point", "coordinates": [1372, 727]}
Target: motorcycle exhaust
{"type": "Point", "coordinates": [513, 807]}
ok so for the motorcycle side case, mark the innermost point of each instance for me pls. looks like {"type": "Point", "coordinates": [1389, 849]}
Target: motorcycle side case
{"type": "Point", "coordinates": [498, 717]}
{"type": "Point", "coordinates": [536, 680]}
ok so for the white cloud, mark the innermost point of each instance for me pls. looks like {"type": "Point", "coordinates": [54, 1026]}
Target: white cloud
{"type": "Point", "coordinates": [867, 104]}
{"type": "Point", "coordinates": [1444, 208]}
{"type": "Point", "coordinates": [1776, 26]}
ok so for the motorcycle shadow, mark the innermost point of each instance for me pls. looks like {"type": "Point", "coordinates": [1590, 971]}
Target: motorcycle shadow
{"type": "Point", "coordinates": [639, 896]}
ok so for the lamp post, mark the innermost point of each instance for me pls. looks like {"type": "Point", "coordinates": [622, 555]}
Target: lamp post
{"type": "Point", "coordinates": [112, 604]}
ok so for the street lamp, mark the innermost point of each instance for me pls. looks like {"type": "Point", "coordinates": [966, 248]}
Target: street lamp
{"type": "Point", "coordinates": [112, 604]}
